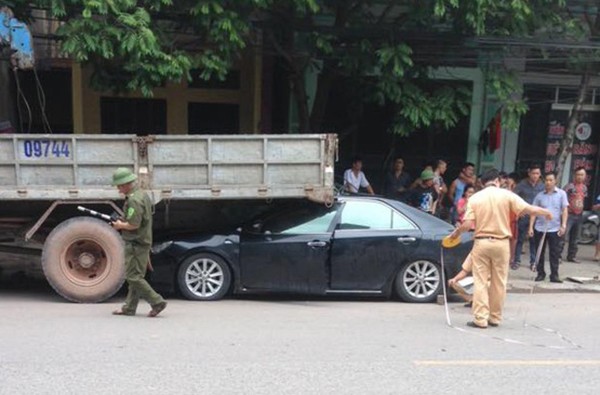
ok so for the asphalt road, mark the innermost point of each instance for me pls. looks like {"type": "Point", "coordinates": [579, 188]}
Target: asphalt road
{"type": "Point", "coordinates": [296, 346]}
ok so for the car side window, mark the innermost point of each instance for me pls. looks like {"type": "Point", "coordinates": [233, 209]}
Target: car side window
{"type": "Point", "coordinates": [372, 215]}
{"type": "Point", "coordinates": [304, 221]}
{"type": "Point", "coordinates": [401, 222]}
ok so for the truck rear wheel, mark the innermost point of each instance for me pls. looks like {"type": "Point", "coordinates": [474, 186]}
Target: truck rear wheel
{"type": "Point", "coordinates": [83, 260]}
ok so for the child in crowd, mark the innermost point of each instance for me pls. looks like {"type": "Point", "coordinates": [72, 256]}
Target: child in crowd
{"type": "Point", "coordinates": [461, 206]}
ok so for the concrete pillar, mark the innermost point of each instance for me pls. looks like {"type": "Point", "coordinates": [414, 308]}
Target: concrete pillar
{"type": "Point", "coordinates": [177, 108]}
{"type": "Point", "coordinates": [251, 91]}
{"type": "Point", "coordinates": [77, 89]}
{"type": "Point", "coordinates": [477, 103]}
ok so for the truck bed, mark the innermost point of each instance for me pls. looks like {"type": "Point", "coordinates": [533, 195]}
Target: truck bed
{"type": "Point", "coordinates": [178, 167]}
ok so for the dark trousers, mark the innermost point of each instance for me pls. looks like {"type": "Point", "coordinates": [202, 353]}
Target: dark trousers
{"type": "Point", "coordinates": [574, 223]}
{"type": "Point", "coordinates": [553, 242]}
{"type": "Point", "coordinates": [522, 235]}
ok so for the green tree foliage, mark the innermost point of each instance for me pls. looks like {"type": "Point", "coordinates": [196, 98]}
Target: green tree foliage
{"type": "Point", "coordinates": [372, 44]}
{"type": "Point", "coordinates": [509, 22]}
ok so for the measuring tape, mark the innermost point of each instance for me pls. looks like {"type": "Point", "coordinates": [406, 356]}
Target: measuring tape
{"type": "Point", "coordinates": [570, 343]}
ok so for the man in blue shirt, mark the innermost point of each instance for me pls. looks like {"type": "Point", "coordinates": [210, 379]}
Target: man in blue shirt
{"type": "Point", "coordinates": [554, 200]}
{"type": "Point", "coordinates": [527, 189]}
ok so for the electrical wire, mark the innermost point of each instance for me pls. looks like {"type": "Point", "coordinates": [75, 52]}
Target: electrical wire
{"type": "Point", "coordinates": [19, 113]}
{"type": "Point", "coordinates": [21, 96]}
{"type": "Point", "coordinates": [42, 101]}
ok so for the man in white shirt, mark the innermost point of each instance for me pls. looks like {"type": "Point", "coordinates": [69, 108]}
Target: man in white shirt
{"type": "Point", "coordinates": [354, 178]}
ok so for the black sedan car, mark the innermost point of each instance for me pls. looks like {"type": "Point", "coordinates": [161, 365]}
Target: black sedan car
{"type": "Point", "coordinates": [359, 245]}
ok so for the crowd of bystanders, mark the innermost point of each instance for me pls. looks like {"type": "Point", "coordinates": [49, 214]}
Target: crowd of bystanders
{"type": "Point", "coordinates": [431, 193]}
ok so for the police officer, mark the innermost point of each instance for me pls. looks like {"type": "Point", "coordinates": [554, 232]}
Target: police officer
{"type": "Point", "coordinates": [489, 211]}
{"type": "Point", "coordinates": [136, 230]}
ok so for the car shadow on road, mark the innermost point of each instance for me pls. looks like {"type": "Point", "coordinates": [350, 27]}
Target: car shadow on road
{"type": "Point", "coordinates": [298, 299]}
{"type": "Point", "coordinates": [294, 299]}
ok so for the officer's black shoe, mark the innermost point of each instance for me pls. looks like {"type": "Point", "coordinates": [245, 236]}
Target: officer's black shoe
{"type": "Point", "coordinates": [555, 280]}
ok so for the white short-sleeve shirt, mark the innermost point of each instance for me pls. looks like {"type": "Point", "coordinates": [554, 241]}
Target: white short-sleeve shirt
{"type": "Point", "coordinates": [354, 182]}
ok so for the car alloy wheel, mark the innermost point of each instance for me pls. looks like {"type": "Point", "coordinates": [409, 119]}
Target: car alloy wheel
{"type": "Point", "coordinates": [419, 281]}
{"type": "Point", "coordinates": [204, 277]}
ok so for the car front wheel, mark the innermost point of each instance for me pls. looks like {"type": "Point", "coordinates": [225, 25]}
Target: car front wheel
{"type": "Point", "coordinates": [204, 277]}
{"type": "Point", "coordinates": [419, 282]}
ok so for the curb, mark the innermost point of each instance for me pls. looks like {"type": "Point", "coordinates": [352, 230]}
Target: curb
{"type": "Point", "coordinates": [546, 290]}
{"type": "Point", "coordinates": [524, 286]}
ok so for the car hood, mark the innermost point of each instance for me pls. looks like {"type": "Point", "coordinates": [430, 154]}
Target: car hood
{"type": "Point", "coordinates": [196, 238]}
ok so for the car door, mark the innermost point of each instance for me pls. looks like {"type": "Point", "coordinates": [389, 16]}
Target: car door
{"type": "Point", "coordinates": [289, 251]}
{"type": "Point", "coordinates": [370, 242]}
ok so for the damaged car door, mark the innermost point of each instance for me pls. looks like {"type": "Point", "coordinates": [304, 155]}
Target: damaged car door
{"type": "Point", "coordinates": [288, 251]}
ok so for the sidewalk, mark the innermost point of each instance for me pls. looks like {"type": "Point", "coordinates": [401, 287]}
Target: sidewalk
{"type": "Point", "coordinates": [522, 279]}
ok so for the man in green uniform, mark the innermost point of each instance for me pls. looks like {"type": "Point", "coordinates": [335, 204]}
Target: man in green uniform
{"type": "Point", "coordinates": [136, 230]}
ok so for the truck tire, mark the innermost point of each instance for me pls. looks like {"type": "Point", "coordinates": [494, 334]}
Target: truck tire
{"type": "Point", "coordinates": [83, 260]}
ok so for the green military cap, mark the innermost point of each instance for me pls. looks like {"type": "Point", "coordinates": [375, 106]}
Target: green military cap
{"type": "Point", "coordinates": [123, 176]}
{"type": "Point", "coordinates": [427, 175]}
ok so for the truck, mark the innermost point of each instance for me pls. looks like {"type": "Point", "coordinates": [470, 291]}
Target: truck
{"type": "Point", "coordinates": [43, 178]}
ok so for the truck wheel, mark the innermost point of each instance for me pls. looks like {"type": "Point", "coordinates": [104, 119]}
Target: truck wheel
{"type": "Point", "coordinates": [204, 277]}
{"type": "Point", "coordinates": [83, 260]}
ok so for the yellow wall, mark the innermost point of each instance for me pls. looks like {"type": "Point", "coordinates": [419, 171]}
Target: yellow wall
{"type": "Point", "coordinates": [86, 102]}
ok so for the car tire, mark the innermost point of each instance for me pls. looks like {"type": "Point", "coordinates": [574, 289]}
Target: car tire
{"type": "Point", "coordinates": [204, 276]}
{"type": "Point", "coordinates": [419, 282]}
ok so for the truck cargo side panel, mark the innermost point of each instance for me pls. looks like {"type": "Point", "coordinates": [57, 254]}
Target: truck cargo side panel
{"type": "Point", "coordinates": [199, 167]}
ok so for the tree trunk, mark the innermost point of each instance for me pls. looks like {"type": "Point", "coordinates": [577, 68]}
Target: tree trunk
{"type": "Point", "coordinates": [328, 75]}
{"type": "Point", "coordinates": [324, 83]}
{"type": "Point", "coordinates": [299, 89]}
{"type": "Point", "coordinates": [296, 67]}
{"type": "Point", "coordinates": [566, 145]}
